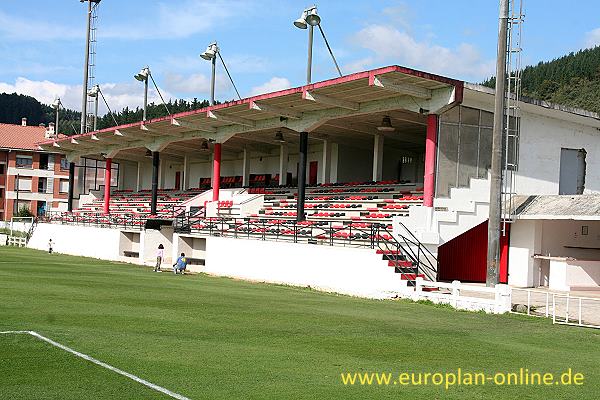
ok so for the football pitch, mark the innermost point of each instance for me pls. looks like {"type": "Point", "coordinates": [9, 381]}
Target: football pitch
{"type": "Point", "coordinates": [204, 337]}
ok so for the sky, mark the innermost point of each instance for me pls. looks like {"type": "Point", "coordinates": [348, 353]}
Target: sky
{"type": "Point", "coordinates": [42, 43]}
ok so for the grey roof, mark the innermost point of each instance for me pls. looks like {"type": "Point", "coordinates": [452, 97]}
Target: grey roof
{"type": "Point", "coordinates": [574, 207]}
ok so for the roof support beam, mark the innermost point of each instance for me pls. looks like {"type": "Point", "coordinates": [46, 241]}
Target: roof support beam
{"type": "Point", "coordinates": [330, 101]}
{"type": "Point", "coordinates": [281, 111]}
{"type": "Point", "coordinates": [230, 118]}
{"type": "Point", "coordinates": [191, 126]}
{"type": "Point", "coordinates": [158, 132]}
{"type": "Point", "coordinates": [402, 88]}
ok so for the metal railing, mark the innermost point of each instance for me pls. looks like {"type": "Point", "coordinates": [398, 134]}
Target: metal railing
{"type": "Point", "coordinates": [563, 308]}
{"type": "Point", "coordinates": [115, 220]}
{"type": "Point", "coordinates": [373, 235]}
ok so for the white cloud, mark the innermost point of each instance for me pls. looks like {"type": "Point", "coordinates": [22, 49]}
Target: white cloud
{"type": "Point", "coordinates": [592, 38]}
{"type": "Point", "coordinates": [18, 28]}
{"type": "Point", "coordinates": [195, 83]}
{"type": "Point", "coordinates": [388, 44]}
{"type": "Point", "coordinates": [118, 95]}
{"type": "Point", "coordinates": [273, 85]}
{"type": "Point", "coordinates": [176, 21]}
{"type": "Point", "coordinates": [165, 21]}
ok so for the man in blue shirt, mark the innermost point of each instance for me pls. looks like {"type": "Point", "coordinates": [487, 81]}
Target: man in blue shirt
{"type": "Point", "coordinates": [180, 264]}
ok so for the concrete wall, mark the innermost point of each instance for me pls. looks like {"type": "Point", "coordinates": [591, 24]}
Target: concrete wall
{"type": "Point", "coordinates": [557, 238]}
{"type": "Point", "coordinates": [355, 164]}
{"type": "Point", "coordinates": [540, 144]}
{"type": "Point", "coordinates": [128, 175]}
{"type": "Point", "coordinates": [525, 241]}
{"type": "Point", "coordinates": [78, 240]}
{"type": "Point", "coordinates": [149, 241]}
{"type": "Point", "coordinates": [358, 272]}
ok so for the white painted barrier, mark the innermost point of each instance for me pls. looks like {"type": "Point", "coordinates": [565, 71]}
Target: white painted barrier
{"type": "Point", "coordinates": [495, 300]}
{"type": "Point", "coordinates": [357, 272]}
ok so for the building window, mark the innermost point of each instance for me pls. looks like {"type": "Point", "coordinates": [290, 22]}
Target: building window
{"type": "Point", "coordinates": [63, 186]}
{"type": "Point", "coordinates": [24, 162]}
{"type": "Point", "coordinates": [22, 184]}
{"type": "Point", "coordinates": [2, 169]}
{"type": "Point", "coordinates": [64, 164]}
{"type": "Point", "coordinates": [42, 185]}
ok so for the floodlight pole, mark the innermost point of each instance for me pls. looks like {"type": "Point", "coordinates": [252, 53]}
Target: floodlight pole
{"type": "Point", "coordinates": [213, 62]}
{"type": "Point", "coordinates": [495, 211]}
{"type": "Point", "coordinates": [144, 115]}
{"type": "Point", "coordinates": [56, 123]}
{"type": "Point", "coordinates": [86, 70]}
{"type": "Point", "coordinates": [310, 46]}
{"type": "Point", "coordinates": [96, 111]}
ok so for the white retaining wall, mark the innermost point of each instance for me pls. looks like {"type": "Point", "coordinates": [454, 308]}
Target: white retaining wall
{"type": "Point", "coordinates": [358, 272]}
{"type": "Point", "coordinates": [84, 241]}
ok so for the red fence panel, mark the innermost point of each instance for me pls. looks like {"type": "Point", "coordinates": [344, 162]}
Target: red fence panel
{"type": "Point", "coordinates": [464, 258]}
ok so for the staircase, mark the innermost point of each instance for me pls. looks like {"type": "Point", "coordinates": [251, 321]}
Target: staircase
{"type": "Point", "coordinates": [409, 257]}
{"type": "Point", "coordinates": [466, 208]}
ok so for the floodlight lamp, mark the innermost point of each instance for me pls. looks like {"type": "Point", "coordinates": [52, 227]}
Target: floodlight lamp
{"type": "Point", "coordinates": [56, 104]}
{"type": "Point", "coordinates": [204, 145]}
{"type": "Point", "coordinates": [93, 92]}
{"type": "Point", "coordinates": [301, 22]}
{"type": "Point", "coordinates": [142, 76]}
{"type": "Point", "coordinates": [210, 52]}
{"type": "Point", "coordinates": [148, 153]}
{"type": "Point", "coordinates": [312, 18]}
{"type": "Point", "coordinates": [386, 125]}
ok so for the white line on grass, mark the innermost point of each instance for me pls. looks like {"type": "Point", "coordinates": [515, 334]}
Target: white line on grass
{"type": "Point", "coordinates": [102, 364]}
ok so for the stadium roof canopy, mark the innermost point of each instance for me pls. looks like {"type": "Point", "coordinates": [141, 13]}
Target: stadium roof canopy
{"type": "Point", "coordinates": [340, 108]}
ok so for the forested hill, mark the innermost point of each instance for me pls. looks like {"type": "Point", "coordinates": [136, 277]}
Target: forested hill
{"type": "Point", "coordinates": [13, 107]}
{"type": "Point", "coordinates": [571, 80]}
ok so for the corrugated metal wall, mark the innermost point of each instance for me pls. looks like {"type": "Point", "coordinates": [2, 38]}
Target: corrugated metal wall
{"type": "Point", "coordinates": [464, 258]}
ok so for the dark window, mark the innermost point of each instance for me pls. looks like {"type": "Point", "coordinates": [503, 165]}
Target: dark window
{"type": "Point", "coordinates": [64, 164]}
{"type": "Point", "coordinates": [24, 162]}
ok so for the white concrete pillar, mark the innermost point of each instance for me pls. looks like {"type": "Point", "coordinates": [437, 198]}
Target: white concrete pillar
{"type": "Point", "coordinates": [245, 168]}
{"type": "Point", "coordinates": [333, 173]}
{"type": "Point", "coordinates": [326, 167]}
{"type": "Point", "coordinates": [378, 157]}
{"type": "Point", "coordinates": [283, 163]}
{"type": "Point", "coordinates": [185, 184]}
{"type": "Point", "coordinates": [138, 183]}
{"type": "Point", "coordinates": [525, 241]}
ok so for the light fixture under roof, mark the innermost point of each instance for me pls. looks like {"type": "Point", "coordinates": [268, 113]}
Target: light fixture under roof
{"type": "Point", "coordinates": [386, 125]}
{"type": "Point", "coordinates": [204, 145]}
{"type": "Point", "coordinates": [148, 153]}
{"type": "Point", "coordinates": [279, 137]}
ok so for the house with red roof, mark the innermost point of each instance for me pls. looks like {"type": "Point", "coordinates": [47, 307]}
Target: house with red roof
{"type": "Point", "coordinates": [30, 177]}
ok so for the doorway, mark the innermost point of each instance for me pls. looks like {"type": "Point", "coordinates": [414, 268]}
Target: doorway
{"type": "Point", "coordinates": [178, 180]}
{"type": "Point", "coordinates": [572, 171]}
{"type": "Point", "coordinates": [313, 173]}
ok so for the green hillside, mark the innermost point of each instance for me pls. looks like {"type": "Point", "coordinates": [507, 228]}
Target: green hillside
{"type": "Point", "coordinates": [571, 80]}
{"type": "Point", "coordinates": [14, 106]}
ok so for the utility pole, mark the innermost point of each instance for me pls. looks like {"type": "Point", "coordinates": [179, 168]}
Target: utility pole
{"type": "Point", "coordinates": [495, 212]}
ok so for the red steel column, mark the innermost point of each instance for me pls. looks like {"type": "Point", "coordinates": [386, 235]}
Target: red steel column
{"type": "Point", "coordinates": [107, 176]}
{"type": "Point", "coordinates": [430, 154]}
{"type": "Point", "coordinates": [216, 178]}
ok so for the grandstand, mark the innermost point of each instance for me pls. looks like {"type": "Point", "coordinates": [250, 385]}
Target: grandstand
{"type": "Point", "coordinates": [377, 177]}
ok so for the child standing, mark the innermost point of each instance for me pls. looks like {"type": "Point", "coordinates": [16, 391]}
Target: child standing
{"type": "Point", "coordinates": [160, 254]}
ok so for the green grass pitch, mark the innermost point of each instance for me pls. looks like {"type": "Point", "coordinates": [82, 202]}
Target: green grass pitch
{"type": "Point", "coordinates": [216, 338]}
